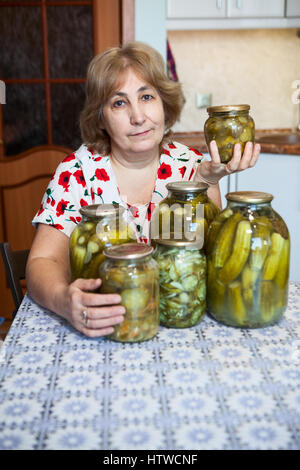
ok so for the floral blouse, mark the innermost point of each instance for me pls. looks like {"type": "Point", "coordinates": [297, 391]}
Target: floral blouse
{"type": "Point", "coordinates": [84, 177]}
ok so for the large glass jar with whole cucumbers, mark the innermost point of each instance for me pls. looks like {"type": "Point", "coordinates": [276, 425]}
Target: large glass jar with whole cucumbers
{"type": "Point", "coordinates": [229, 125]}
{"type": "Point", "coordinates": [182, 281]}
{"type": "Point", "coordinates": [130, 271]}
{"type": "Point", "coordinates": [248, 254]}
{"type": "Point", "coordinates": [185, 214]}
{"type": "Point", "coordinates": [101, 225]}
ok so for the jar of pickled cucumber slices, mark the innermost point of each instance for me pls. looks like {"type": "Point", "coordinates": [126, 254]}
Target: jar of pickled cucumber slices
{"type": "Point", "coordinates": [182, 281]}
{"type": "Point", "coordinates": [130, 270]}
{"type": "Point", "coordinates": [248, 254]}
{"type": "Point", "coordinates": [101, 225]}
{"type": "Point", "coordinates": [229, 125]}
{"type": "Point", "coordinates": [185, 214]}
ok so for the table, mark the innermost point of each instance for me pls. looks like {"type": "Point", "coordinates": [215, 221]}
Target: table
{"type": "Point", "coordinates": [206, 387]}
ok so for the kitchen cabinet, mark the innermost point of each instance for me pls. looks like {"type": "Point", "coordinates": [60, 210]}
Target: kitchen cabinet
{"type": "Point", "coordinates": [198, 9]}
{"type": "Point", "coordinates": [292, 8]}
{"type": "Point", "coordinates": [255, 8]}
{"type": "Point", "coordinates": [232, 14]}
{"type": "Point", "coordinates": [279, 175]}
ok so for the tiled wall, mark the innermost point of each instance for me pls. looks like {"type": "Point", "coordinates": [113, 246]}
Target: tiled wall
{"type": "Point", "coordinates": [257, 67]}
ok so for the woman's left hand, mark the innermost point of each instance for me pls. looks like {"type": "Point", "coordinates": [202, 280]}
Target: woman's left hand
{"type": "Point", "coordinates": [212, 171]}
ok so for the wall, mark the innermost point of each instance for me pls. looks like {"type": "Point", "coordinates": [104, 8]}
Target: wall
{"type": "Point", "coordinates": [150, 27]}
{"type": "Point", "coordinates": [256, 67]}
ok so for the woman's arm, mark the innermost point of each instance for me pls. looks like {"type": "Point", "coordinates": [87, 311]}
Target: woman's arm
{"type": "Point", "coordinates": [48, 282]}
{"type": "Point", "coordinates": [214, 194]}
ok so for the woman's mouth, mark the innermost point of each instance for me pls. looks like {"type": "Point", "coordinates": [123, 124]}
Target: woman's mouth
{"type": "Point", "coordinates": [140, 134]}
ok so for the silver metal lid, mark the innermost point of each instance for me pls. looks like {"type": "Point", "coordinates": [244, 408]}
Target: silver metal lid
{"type": "Point", "coordinates": [187, 186]}
{"type": "Point", "coordinates": [128, 251]}
{"type": "Point", "coordinates": [101, 210]}
{"type": "Point", "coordinates": [254, 197]}
{"type": "Point", "coordinates": [227, 108]}
{"type": "Point", "coordinates": [195, 244]}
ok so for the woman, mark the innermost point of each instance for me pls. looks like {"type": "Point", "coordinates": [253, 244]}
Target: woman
{"type": "Point", "coordinates": [128, 158]}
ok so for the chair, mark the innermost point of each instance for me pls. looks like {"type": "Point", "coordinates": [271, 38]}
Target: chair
{"type": "Point", "coordinates": [15, 264]}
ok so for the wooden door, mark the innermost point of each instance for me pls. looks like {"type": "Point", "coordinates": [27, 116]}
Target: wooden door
{"type": "Point", "coordinates": [46, 47]}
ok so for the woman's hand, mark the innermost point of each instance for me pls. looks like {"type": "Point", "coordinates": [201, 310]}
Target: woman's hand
{"type": "Point", "coordinates": [212, 171]}
{"type": "Point", "coordinates": [101, 311]}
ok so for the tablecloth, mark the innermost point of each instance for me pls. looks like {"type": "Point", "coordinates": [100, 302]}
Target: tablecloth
{"type": "Point", "coordinates": [206, 387]}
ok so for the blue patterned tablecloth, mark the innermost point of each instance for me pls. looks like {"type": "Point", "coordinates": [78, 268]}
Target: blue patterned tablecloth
{"type": "Point", "coordinates": [206, 387]}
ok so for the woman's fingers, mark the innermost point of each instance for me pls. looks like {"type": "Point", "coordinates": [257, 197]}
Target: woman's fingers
{"type": "Point", "coordinates": [214, 152]}
{"type": "Point", "coordinates": [241, 162]}
{"type": "Point", "coordinates": [255, 155]}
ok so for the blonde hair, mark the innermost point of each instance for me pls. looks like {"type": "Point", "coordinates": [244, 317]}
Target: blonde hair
{"type": "Point", "coordinates": [103, 76]}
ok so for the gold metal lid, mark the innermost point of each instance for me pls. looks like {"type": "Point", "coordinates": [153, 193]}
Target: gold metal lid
{"type": "Point", "coordinates": [228, 108]}
{"type": "Point", "coordinates": [101, 210]}
{"type": "Point", "coordinates": [187, 186]}
{"type": "Point", "coordinates": [196, 244]}
{"type": "Point", "coordinates": [254, 197]}
{"type": "Point", "coordinates": [128, 251]}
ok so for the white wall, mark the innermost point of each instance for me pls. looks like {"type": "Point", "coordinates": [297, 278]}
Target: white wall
{"type": "Point", "coordinates": [150, 27]}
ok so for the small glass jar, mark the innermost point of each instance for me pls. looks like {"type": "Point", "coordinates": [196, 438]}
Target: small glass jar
{"type": "Point", "coordinates": [248, 256]}
{"type": "Point", "coordinates": [130, 270]}
{"type": "Point", "coordinates": [182, 281]}
{"type": "Point", "coordinates": [185, 214]}
{"type": "Point", "coordinates": [101, 225]}
{"type": "Point", "coordinates": [229, 125]}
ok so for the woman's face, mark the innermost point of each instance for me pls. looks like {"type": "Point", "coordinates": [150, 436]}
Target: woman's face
{"type": "Point", "coordinates": [134, 117]}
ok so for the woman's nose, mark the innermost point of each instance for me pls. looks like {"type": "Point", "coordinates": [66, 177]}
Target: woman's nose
{"type": "Point", "coordinates": [137, 116]}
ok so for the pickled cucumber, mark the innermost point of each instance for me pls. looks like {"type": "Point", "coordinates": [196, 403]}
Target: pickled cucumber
{"type": "Point", "coordinates": [247, 266]}
{"type": "Point", "coordinates": [184, 215]}
{"type": "Point", "coordinates": [87, 242]}
{"type": "Point", "coordinates": [137, 284]}
{"type": "Point", "coordinates": [228, 129]}
{"type": "Point", "coordinates": [182, 280]}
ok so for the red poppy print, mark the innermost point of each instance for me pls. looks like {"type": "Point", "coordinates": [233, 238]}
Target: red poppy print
{"type": "Point", "coordinates": [97, 159]}
{"type": "Point", "coordinates": [166, 152]}
{"type": "Point", "coordinates": [76, 220]}
{"type": "Point", "coordinates": [69, 158]}
{"type": "Point", "coordinates": [172, 146]}
{"type": "Point", "coordinates": [134, 210]}
{"type": "Point", "coordinates": [192, 172]}
{"type": "Point", "coordinates": [41, 209]}
{"type": "Point", "coordinates": [61, 207]}
{"type": "Point", "coordinates": [195, 151]}
{"type": "Point", "coordinates": [143, 239]}
{"type": "Point", "coordinates": [150, 210]}
{"type": "Point", "coordinates": [164, 171]}
{"type": "Point", "coordinates": [83, 203]}
{"type": "Point", "coordinates": [58, 226]}
{"type": "Point", "coordinates": [182, 170]}
{"type": "Point", "coordinates": [64, 180]}
{"type": "Point", "coordinates": [80, 178]}
{"type": "Point", "coordinates": [101, 174]}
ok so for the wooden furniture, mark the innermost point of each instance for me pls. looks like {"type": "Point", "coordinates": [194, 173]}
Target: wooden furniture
{"type": "Point", "coordinates": [23, 181]}
{"type": "Point", "coordinates": [15, 268]}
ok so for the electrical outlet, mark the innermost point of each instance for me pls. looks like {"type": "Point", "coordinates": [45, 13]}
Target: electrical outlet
{"type": "Point", "coordinates": [203, 100]}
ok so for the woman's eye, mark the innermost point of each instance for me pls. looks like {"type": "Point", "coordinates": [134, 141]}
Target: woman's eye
{"type": "Point", "coordinates": [118, 104]}
{"type": "Point", "coordinates": [147, 97]}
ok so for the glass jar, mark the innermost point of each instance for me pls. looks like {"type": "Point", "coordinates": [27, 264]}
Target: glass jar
{"type": "Point", "coordinates": [248, 262]}
{"type": "Point", "coordinates": [229, 125]}
{"type": "Point", "coordinates": [101, 225]}
{"type": "Point", "coordinates": [185, 214]}
{"type": "Point", "coordinates": [182, 281]}
{"type": "Point", "coordinates": [130, 270]}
